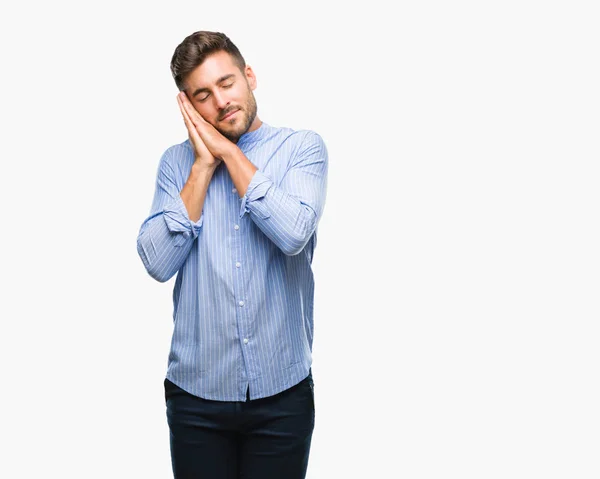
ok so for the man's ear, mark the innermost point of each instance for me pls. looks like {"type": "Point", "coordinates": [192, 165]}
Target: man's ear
{"type": "Point", "coordinates": [251, 77]}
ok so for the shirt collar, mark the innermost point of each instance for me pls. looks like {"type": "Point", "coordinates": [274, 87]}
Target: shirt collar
{"type": "Point", "coordinates": [256, 135]}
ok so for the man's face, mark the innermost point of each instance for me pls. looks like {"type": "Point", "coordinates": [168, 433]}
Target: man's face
{"type": "Point", "coordinates": [217, 88]}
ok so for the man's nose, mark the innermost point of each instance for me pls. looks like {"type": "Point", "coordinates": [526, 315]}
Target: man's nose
{"type": "Point", "coordinates": [220, 101]}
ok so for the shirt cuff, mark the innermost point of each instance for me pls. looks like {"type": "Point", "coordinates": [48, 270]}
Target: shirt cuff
{"type": "Point", "coordinates": [258, 187]}
{"type": "Point", "coordinates": [178, 220]}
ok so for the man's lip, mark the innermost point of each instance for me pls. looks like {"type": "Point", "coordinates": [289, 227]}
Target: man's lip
{"type": "Point", "coordinates": [230, 113]}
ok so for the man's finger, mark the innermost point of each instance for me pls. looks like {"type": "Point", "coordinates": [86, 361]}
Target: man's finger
{"type": "Point", "coordinates": [194, 115]}
{"type": "Point", "coordinates": [197, 126]}
{"type": "Point", "coordinates": [188, 121]}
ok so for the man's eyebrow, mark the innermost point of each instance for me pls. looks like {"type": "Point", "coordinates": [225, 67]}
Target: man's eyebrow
{"type": "Point", "coordinates": [220, 80]}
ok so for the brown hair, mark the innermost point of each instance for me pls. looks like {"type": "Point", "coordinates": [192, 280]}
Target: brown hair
{"type": "Point", "coordinates": [194, 49]}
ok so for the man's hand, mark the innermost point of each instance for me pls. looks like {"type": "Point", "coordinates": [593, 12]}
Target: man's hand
{"type": "Point", "coordinates": [217, 144]}
{"type": "Point", "coordinates": [203, 155]}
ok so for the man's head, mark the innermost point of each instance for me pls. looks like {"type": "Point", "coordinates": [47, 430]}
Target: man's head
{"type": "Point", "coordinates": [215, 77]}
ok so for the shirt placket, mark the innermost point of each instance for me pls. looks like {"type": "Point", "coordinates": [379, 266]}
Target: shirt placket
{"type": "Point", "coordinates": [239, 265]}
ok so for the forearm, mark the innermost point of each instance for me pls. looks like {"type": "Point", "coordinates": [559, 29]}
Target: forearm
{"type": "Point", "coordinates": [240, 169]}
{"type": "Point", "coordinates": [167, 235]}
{"type": "Point", "coordinates": [281, 217]}
{"type": "Point", "coordinates": [194, 191]}
{"type": "Point", "coordinates": [286, 212]}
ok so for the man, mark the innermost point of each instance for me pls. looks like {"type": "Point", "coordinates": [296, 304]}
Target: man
{"type": "Point", "coordinates": [235, 215]}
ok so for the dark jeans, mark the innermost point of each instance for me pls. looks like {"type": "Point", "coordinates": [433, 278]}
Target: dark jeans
{"type": "Point", "coordinates": [267, 438]}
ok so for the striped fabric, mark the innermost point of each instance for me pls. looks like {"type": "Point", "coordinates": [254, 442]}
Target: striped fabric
{"type": "Point", "coordinates": [243, 295]}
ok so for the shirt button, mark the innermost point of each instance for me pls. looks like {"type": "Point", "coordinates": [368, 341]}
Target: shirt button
{"type": "Point", "coordinates": [237, 227]}
{"type": "Point", "coordinates": [234, 190]}
{"type": "Point", "coordinates": [238, 264]}
{"type": "Point", "coordinates": [245, 340]}
{"type": "Point", "coordinates": [241, 303]}
{"type": "Point", "coordinates": [186, 234]}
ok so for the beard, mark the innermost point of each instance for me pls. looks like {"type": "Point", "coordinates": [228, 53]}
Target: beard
{"type": "Point", "coordinates": [242, 121]}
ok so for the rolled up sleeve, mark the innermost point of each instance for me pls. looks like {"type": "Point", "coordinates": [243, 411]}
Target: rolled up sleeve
{"type": "Point", "coordinates": [288, 213]}
{"type": "Point", "coordinates": [167, 234]}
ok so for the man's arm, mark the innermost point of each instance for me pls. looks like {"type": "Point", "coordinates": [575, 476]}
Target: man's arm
{"type": "Point", "coordinates": [287, 214]}
{"type": "Point", "coordinates": [175, 219]}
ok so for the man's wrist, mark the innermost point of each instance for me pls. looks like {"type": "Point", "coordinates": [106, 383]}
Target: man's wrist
{"type": "Point", "coordinates": [229, 154]}
{"type": "Point", "coordinates": [201, 170]}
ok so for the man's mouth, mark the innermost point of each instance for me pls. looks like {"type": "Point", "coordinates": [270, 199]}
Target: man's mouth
{"type": "Point", "coordinates": [230, 114]}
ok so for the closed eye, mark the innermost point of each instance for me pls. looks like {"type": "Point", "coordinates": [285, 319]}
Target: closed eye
{"type": "Point", "coordinates": [224, 86]}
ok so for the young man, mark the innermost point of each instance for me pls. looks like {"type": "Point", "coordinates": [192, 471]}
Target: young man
{"type": "Point", "coordinates": [235, 214]}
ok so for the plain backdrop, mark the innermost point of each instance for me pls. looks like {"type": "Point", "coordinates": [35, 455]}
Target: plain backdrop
{"type": "Point", "coordinates": [457, 266]}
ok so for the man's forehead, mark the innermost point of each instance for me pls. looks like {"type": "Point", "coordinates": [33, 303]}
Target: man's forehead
{"type": "Point", "coordinates": [218, 61]}
{"type": "Point", "coordinates": [213, 70]}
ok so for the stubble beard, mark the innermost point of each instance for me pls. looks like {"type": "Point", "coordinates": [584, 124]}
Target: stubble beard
{"type": "Point", "coordinates": [248, 111]}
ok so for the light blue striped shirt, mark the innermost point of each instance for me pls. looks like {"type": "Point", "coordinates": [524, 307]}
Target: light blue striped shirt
{"type": "Point", "coordinates": [243, 296]}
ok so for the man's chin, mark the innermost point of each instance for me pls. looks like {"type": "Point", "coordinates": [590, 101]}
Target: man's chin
{"type": "Point", "coordinates": [233, 134]}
